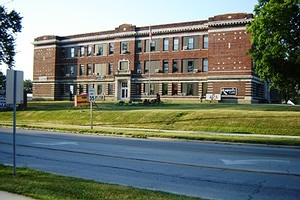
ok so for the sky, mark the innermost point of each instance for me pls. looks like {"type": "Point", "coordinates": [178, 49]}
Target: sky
{"type": "Point", "coordinates": [69, 17]}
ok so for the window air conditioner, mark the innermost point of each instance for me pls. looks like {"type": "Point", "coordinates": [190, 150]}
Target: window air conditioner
{"type": "Point", "coordinates": [157, 70]}
{"type": "Point", "coordinates": [195, 70]}
{"type": "Point", "coordinates": [185, 48]}
{"type": "Point", "coordinates": [125, 51]}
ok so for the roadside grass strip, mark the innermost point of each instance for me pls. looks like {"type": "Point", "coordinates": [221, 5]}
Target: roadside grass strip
{"type": "Point", "coordinates": [45, 186]}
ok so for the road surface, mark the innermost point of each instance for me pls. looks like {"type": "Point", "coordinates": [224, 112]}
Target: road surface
{"type": "Point", "coordinates": [201, 169]}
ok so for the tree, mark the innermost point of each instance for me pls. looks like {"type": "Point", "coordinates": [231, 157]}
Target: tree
{"type": "Point", "coordinates": [10, 25]}
{"type": "Point", "coordinates": [28, 86]}
{"type": "Point", "coordinates": [275, 35]}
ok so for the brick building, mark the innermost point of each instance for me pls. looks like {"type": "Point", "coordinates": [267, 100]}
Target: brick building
{"type": "Point", "coordinates": [185, 61]}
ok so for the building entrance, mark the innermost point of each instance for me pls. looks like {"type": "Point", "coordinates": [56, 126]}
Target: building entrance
{"type": "Point", "coordinates": [124, 90]}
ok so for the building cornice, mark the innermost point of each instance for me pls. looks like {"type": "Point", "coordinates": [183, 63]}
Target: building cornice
{"type": "Point", "coordinates": [143, 33]}
{"type": "Point", "coordinates": [133, 32]}
{"type": "Point", "coordinates": [229, 22]}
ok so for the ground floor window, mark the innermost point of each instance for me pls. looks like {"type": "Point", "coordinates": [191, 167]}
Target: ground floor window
{"type": "Point", "coordinates": [80, 89]}
{"type": "Point", "coordinates": [204, 89]}
{"type": "Point", "coordinates": [164, 88]}
{"type": "Point", "coordinates": [154, 88]}
{"type": "Point", "coordinates": [174, 88]}
{"type": "Point", "coordinates": [100, 90]}
{"type": "Point", "coordinates": [137, 88]}
{"type": "Point", "coordinates": [258, 90]}
{"type": "Point", "coordinates": [189, 89]}
{"type": "Point", "coordinates": [110, 89]}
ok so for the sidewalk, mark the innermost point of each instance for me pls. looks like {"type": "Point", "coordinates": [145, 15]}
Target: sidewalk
{"type": "Point", "coordinates": [10, 196]}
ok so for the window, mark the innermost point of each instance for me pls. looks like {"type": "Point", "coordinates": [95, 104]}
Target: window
{"type": "Point", "coordinates": [72, 52]}
{"type": "Point", "coordinates": [100, 69]}
{"type": "Point", "coordinates": [154, 45]}
{"type": "Point", "coordinates": [100, 89]}
{"type": "Point", "coordinates": [138, 68]}
{"type": "Point", "coordinates": [165, 66]}
{"type": "Point", "coordinates": [175, 66]}
{"type": "Point", "coordinates": [191, 43]}
{"type": "Point", "coordinates": [80, 88]}
{"type": "Point", "coordinates": [205, 41]}
{"type": "Point", "coordinates": [70, 70]}
{"type": "Point", "coordinates": [63, 53]}
{"type": "Point", "coordinates": [174, 88]}
{"type": "Point", "coordinates": [154, 66]}
{"type": "Point", "coordinates": [99, 49]}
{"type": "Point", "coordinates": [176, 44]}
{"type": "Point", "coordinates": [190, 66]}
{"type": "Point", "coordinates": [89, 69]}
{"type": "Point", "coordinates": [124, 66]}
{"type": "Point", "coordinates": [166, 44]}
{"type": "Point", "coordinates": [82, 51]}
{"type": "Point", "coordinates": [189, 89]}
{"type": "Point", "coordinates": [138, 87]}
{"type": "Point", "coordinates": [110, 68]}
{"type": "Point", "coordinates": [124, 47]}
{"type": "Point", "coordinates": [111, 48]}
{"type": "Point", "coordinates": [204, 89]}
{"type": "Point", "coordinates": [81, 70]}
{"type": "Point", "coordinates": [139, 46]}
{"type": "Point", "coordinates": [89, 50]}
{"type": "Point", "coordinates": [205, 65]}
{"type": "Point", "coordinates": [110, 89]}
{"type": "Point", "coordinates": [154, 89]}
{"type": "Point", "coordinates": [164, 88]}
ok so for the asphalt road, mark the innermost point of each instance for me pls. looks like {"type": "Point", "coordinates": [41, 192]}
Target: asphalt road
{"type": "Point", "coordinates": [202, 169]}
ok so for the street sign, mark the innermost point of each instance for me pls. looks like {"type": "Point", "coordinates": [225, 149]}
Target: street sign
{"type": "Point", "coordinates": [14, 96]}
{"type": "Point", "coordinates": [92, 97]}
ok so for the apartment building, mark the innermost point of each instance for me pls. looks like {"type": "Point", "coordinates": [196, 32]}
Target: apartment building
{"type": "Point", "coordinates": [195, 60]}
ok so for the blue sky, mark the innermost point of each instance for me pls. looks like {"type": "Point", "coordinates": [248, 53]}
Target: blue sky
{"type": "Point", "coordinates": [68, 17]}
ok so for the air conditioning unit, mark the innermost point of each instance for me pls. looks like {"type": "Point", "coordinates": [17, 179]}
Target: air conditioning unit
{"type": "Point", "coordinates": [195, 70]}
{"type": "Point", "coordinates": [185, 47]}
{"type": "Point", "coordinates": [125, 51]}
{"type": "Point", "coordinates": [157, 70]}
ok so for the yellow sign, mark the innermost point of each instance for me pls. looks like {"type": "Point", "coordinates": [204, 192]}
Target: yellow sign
{"type": "Point", "coordinates": [81, 100]}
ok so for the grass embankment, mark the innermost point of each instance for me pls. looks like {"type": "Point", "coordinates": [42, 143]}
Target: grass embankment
{"type": "Point", "coordinates": [227, 118]}
{"type": "Point", "coordinates": [40, 185]}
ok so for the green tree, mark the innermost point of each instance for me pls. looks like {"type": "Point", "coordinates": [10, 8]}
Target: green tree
{"type": "Point", "coordinates": [10, 25]}
{"type": "Point", "coordinates": [28, 86]}
{"type": "Point", "coordinates": [275, 33]}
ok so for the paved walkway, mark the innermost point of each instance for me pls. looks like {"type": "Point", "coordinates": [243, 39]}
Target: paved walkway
{"type": "Point", "coordinates": [10, 196]}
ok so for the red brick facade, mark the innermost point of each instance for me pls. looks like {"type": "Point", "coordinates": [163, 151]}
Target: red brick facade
{"type": "Point", "coordinates": [188, 61]}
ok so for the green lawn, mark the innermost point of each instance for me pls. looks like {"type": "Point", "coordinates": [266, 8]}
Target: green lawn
{"type": "Point", "coordinates": [228, 118]}
{"type": "Point", "coordinates": [40, 185]}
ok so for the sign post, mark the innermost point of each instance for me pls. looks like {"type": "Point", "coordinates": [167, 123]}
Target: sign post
{"type": "Point", "coordinates": [14, 96]}
{"type": "Point", "coordinates": [91, 100]}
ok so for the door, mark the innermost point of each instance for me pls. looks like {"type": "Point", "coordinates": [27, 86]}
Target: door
{"type": "Point", "coordinates": [124, 90]}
